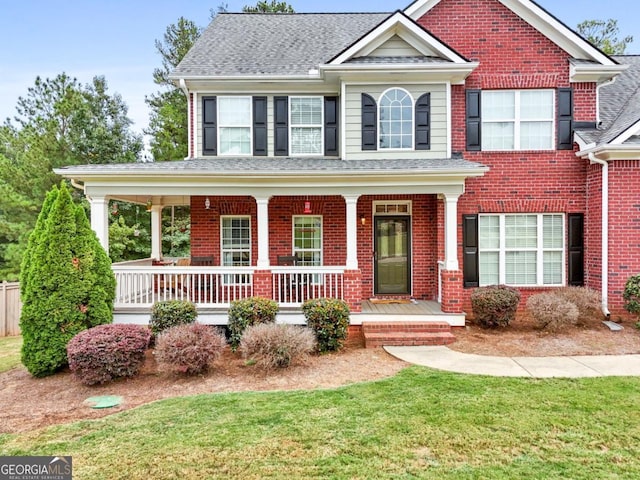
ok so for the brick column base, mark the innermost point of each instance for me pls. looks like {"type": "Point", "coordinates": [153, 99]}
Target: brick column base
{"type": "Point", "coordinates": [262, 284]}
{"type": "Point", "coordinates": [451, 291]}
{"type": "Point", "coordinates": [353, 290]}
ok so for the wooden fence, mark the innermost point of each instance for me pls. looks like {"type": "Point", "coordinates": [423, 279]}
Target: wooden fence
{"type": "Point", "coordinates": [9, 309]}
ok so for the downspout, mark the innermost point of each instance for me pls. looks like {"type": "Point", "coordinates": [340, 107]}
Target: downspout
{"type": "Point", "coordinates": [75, 184]}
{"type": "Point", "coordinates": [183, 87]}
{"type": "Point", "coordinates": [605, 232]}
{"type": "Point", "coordinates": [598, 87]}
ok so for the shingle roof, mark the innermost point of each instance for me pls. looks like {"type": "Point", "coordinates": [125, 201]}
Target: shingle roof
{"type": "Point", "coordinates": [237, 44]}
{"type": "Point", "coordinates": [619, 103]}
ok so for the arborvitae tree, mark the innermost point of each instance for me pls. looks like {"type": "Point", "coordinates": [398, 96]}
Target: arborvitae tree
{"type": "Point", "coordinates": [70, 286]}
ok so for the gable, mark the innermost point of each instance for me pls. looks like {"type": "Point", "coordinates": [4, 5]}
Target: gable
{"type": "Point", "coordinates": [397, 47]}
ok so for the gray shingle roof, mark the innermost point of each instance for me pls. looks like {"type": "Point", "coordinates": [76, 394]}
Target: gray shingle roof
{"type": "Point", "coordinates": [237, 44]}
{"type": "Point", "coordinates": [279, 165]}
{"type": "Point", "coordinates": [619, 103]}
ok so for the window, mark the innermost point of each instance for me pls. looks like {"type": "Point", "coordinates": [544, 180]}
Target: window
{"type": "Point", "coordinates": [236, 246]}
{"type": "Point", "coordinates": [306, 125]}
{"type": "Point", "coordinates": [396, 120]}
{"type": "Point", "coordinates": [234, 123]}
{"type": "Point", "coordinates": [517, 119]}
{"type": "Point", "coordinates": [523, 249]}
{"type": "Point", "coordinates": [307, 240]}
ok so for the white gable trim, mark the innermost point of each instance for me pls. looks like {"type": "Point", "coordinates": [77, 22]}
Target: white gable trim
{"type": "Point", "coordinates": [628, 133]}
{"type": "Point", "coordinates": [398, 24]}
{"type": "Point", "coordinates": [541, 20]}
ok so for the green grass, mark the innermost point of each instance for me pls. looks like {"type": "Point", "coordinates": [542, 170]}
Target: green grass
{"type": "Point", "coordinates": [418, 424]}
{"type": "Point", "coordinates": [9, 352]}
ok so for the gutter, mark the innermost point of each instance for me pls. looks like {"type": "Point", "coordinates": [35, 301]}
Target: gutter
{"type": "Point", "coordinates": [605, 232]}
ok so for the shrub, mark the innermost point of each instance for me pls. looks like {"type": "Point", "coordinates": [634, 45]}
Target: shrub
{"type": "Point", "coordinates": [552, 311]}
{"type": "Point", "coordinates": [106, 352]}
{"type": "Point", "coordinates": [495, 305]}
{"type": "Point", "coordinates": [329, 320]}
{"type": "Point", "coordinates": [189, 349]}
{"type": "Point", "coordinates": [247, 312]}
{"type": "Point", "coordinates": [631, 295]}
{"type": "Point", "coordinates": [586, 300]}
{"type": "Point", "coordinates": [170, 313]}
{"type": "Point", "coordinates": [277, 346]}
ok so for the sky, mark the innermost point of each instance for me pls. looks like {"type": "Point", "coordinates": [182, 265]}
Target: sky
{"type": "Point", "coordinates": [115, 38]}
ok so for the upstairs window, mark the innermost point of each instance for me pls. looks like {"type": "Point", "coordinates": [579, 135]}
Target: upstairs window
{"type": "Point", "coordinates": [396, 120]}
{"type": "Point", "coordinates": [517, 119]}
{"type": "Point", "coordinates": [234, 125]}
{"type": "Point", "coordinates": [306, 125]}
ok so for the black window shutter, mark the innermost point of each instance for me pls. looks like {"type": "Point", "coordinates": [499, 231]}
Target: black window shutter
{"type": "Point", "coordinates": [209, 126]}
{"type": "Point", "coordinates": [331, 132]}
{"type": "Point", "coordinates": [281, 126]}
{"type": "Point", "coordinates": [474, 120]}
{"type": "Point", "coordinates": [423, 122]}
{"type": "Point", "coordinates": [576, 249]}
{"type": "Point", "coordinates": [565, 119]}
{"type": "Point", "coordinates": [470, 255]}
{"type": "Point", "coordinates": [369, 123]}
{"type": "Point", "coordinates": [259, 126]}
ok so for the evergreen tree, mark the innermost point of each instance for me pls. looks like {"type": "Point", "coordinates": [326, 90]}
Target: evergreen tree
{"type": "Point", "coordinates": [274, 6]}
{"type": "Point", "coordinates": [68, 284]}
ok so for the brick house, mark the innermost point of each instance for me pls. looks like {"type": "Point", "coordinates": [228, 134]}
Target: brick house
{"type": "Point", "coordinates": [409, 156]}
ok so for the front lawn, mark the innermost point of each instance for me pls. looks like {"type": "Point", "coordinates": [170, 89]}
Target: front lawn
{"type": "Point", "coordinates": [418, 424]}
{"type": "Point", "coordinates": [9, 352]}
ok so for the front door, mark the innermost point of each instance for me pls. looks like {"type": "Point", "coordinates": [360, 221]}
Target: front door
{"type": "Point", "coordinates": [392, 255]}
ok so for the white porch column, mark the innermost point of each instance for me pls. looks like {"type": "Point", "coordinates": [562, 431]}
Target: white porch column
{"type": "Point", "coordinates": [352, 231]}
{"type": "Point", "coordinates": [451, 232]}
{"type": "Point", "coordinates": [100, 220]}
{"type": "Point", "coordinates": [263, 231]}
{"type": "Point", "coordinates": [156, 232]}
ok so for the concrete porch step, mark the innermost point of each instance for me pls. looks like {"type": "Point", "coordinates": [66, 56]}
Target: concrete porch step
{"type": "Point", "coordinates": [378, 334]}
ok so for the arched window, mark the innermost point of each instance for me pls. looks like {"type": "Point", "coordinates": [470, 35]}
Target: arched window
{"type": "Point", "coordinates": [396, 119]}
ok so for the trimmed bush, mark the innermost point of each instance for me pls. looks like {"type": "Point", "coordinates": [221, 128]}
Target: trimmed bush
{"type": "Point", "coordinates": [631, 295]}
{"type": "Point", "coordinates": [189, 349]}
{"type": "Point", "coordinates": [552, 311]}
{"type": "Point", "coordinates": [107, 352]}
{"type": "Point", "coordinates": [277, 346]}
{"type": "Point", "coordinates": [495, 305]}
{"type": "Point", "coordinates": [171, 313]}
{"type": "Point", "coordinates": [247, 312]}
{"type": "Point", "coordinates": [586, 300]}
{"type": "Point", "coordinates": [329, 320]}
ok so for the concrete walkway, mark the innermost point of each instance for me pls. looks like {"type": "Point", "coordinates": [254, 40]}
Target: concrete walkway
{"type": "Point", "coordinates": [443, 358]}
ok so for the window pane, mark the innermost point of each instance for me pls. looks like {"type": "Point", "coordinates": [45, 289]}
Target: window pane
{"type": "Point", "coordinates": [552, 231]}
{"type": "Point", "coordinates": [536, 105]}
{"type": "Point", "coordinates": [489, 232]}
{"type": "Point", "coordinates": [234, 111]}
{"type": "Point", "coordinates": [498, 105]}
{"type": "Point", "coordinates": [552, 268]}
{"type": "Point", "coordinates": [520, 268]}
{"type": "Point", "coordinates": [489, 268]}
{"type": "Point", "coordinates": [498, 136]}
{"type": "Point", "coordinates": [307, 240]}
{"type": "Point", "coordinates": [235, 141]}
{"type": "Point", "coordinates": [306, 111]}
{"type": "Point", "coordinates": [521, 231]}
{"type": "Point", "coordinates": [536, 135]}
{"type": "Point", "coordinates": [236, 241]}
{"type": "Point", "coordinates": [306, 140]}
{"type": "Point", "coordinates": [396, 119]}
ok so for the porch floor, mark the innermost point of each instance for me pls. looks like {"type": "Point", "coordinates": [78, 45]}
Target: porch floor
{"type": "Point", "coordinates": [414, 311]}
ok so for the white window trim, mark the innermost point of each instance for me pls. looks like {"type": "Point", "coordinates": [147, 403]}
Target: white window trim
{"type": "Point", "coordinates": [320, 126]}
{"type": "Point", "coordinates": [502, 250]}
{"type": "Point", "coordinates": [232, 279]}
{"type": "Point", "coordinates": [293, 236]}
{"type": "Point", "coordinates": [385, 203]}
{"type": "Point", "coordinates": [517, 121]}
{"type": "Point", "coordinates": [220, 126]}
{"type": "Point", "coordinates": [413, 121]}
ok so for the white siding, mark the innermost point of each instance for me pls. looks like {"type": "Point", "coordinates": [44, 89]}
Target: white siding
{"type": "Point", "coordinates": [439, 121]}
{"type": "Point", "coordinates": [395, 47]}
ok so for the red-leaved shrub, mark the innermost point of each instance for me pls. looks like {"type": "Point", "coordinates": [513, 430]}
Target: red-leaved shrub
{"type": "Point", "coordinates": [189, 349]}
{"type": "Point", "coordinates": [106, 352]}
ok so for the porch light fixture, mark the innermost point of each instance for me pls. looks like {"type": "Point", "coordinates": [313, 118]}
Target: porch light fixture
{"type": "Point", "coordinates": [149, 205]}
{"type": "Point", "coordinates": [307, 207]}
{"type": "Point", "coordinates": [207, 203]}
{"type": "Point", "coordinates": [363, 219]}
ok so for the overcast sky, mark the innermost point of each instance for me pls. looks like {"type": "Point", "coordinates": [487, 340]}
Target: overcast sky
{"type": "Point", "coordinates": [115, 38]}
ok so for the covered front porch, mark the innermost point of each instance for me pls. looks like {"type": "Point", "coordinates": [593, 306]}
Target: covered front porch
{"type": "Point", "coordinates": [348, 224]}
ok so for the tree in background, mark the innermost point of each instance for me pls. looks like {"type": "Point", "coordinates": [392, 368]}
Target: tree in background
{"type": "Point", "coordinates": [604, 35]}
{"type": "Point", "coordinates": [67, 283]}
{"type": "Point", "coordinates": [269, 7]}
{"type": "Point", "coordinates": [168, 117]}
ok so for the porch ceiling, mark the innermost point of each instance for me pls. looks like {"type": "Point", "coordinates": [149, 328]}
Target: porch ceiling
{"type": "Point", "coordinates": [270, 176]}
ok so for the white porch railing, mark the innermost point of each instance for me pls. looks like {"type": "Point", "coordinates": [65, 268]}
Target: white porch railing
{"type": "Point", "coordinates": [142, 286]}
{"type": "Point", "coordinates": [292, 286]}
